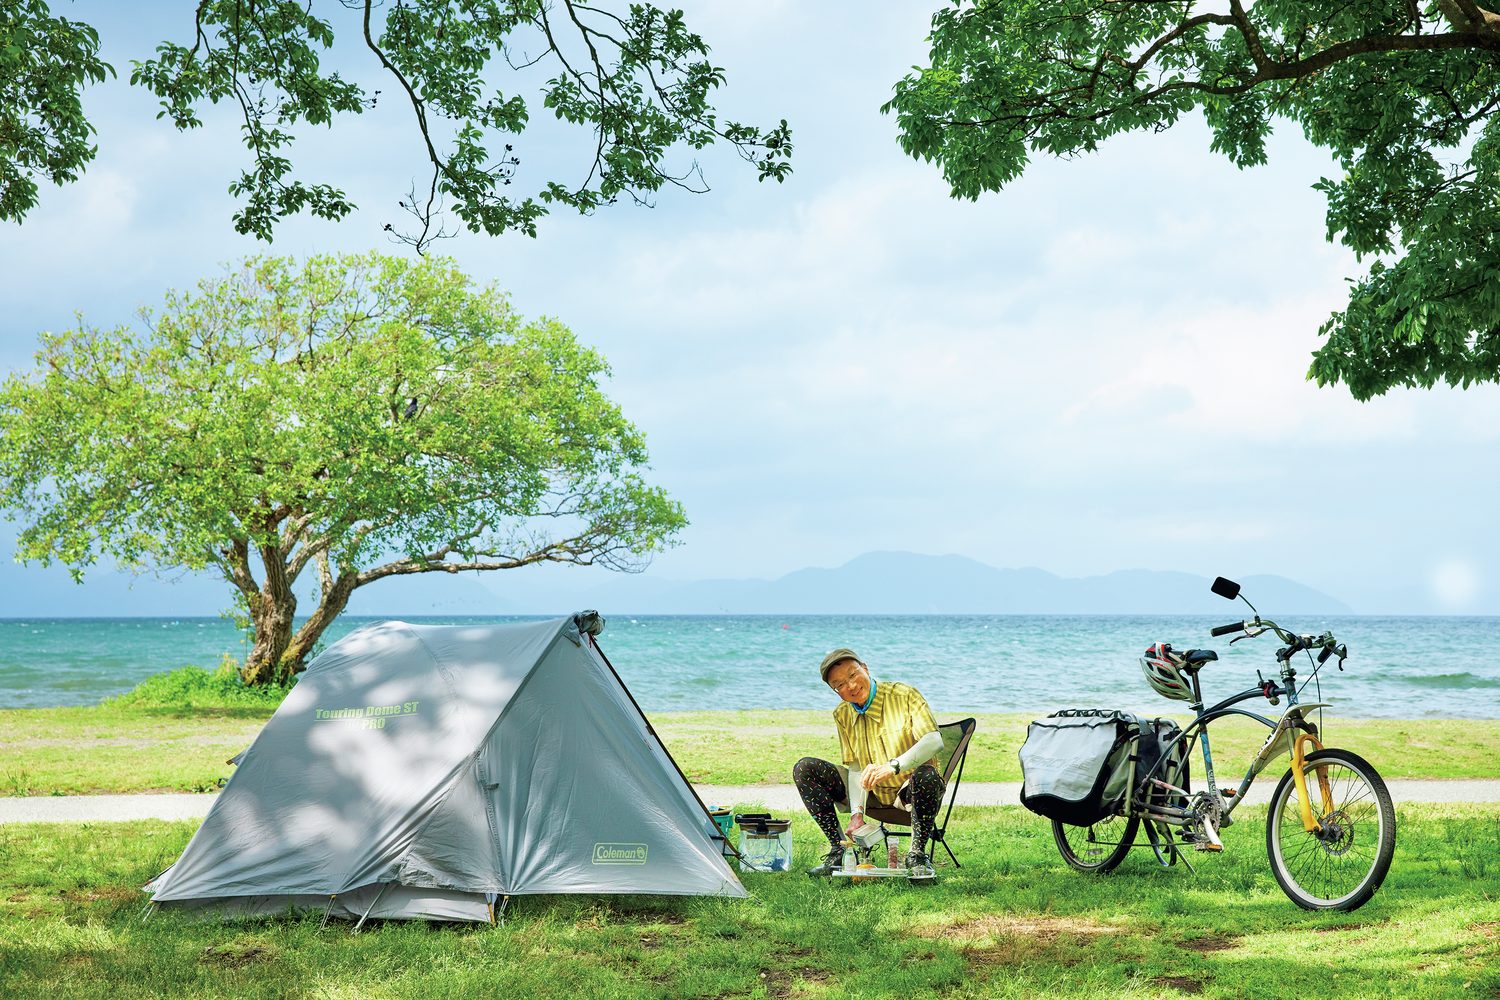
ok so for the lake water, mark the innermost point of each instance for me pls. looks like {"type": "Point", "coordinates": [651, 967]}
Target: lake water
{"type": "Point", "coordinates": [1399, 667]}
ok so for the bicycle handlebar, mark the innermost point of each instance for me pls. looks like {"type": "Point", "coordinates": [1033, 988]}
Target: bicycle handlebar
{"type": "Point", "coordinates": [1325, 644]}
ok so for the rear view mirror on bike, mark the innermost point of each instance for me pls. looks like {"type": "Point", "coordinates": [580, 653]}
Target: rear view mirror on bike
{"type": "Point", "coordinates": [1226, 588]}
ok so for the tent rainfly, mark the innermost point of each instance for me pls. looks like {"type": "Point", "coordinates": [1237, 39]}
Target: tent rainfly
{"type": "Point", "coordinates": [429, 771]}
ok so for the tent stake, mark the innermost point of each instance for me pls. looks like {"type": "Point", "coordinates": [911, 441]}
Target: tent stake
{"type": "Point", "coordinates": [361, 923]}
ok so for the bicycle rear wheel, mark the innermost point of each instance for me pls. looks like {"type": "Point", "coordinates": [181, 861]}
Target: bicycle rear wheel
{"type": "Point", "coordinates": [1339, 866]}
{"type": "Point", "coordinates": [1097, 848]}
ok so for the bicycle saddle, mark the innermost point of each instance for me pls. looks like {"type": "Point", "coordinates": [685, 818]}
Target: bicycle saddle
{"type": "Point", "coordinates": [1195, 658]}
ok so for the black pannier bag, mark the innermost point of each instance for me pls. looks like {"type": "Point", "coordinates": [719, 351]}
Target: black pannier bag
{"type": "Point", "coordinates": [1075, 764]}
{"type": "Point", "coordinates": [1157, 735]}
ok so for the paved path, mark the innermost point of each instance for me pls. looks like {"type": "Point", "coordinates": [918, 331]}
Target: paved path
{"type": "Point", "coordinates": [95, 808]}
{"type": "Point", "coordinates": [1008, 793]}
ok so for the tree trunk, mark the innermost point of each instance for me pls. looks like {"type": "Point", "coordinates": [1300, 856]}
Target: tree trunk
{"type": "Point", "coordinates": [271, 625]}
{"type": "Point", "coordinates": [272, 612]}
{"type": "Point", "coordinates": [335, 599]}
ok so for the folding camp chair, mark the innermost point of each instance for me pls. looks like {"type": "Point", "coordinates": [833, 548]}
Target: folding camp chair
{"type": "Point", "coordinates": [950, 763]}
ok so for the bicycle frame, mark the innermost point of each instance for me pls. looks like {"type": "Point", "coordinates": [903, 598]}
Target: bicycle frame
{"type": "Point", "coordinates": [1280, 740]}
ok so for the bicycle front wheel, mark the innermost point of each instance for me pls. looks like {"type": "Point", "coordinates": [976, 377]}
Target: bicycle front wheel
{"type": "Point", "coordinates": [1097, 848]}
{"type": "Point", "coordinates": [1341, 864]}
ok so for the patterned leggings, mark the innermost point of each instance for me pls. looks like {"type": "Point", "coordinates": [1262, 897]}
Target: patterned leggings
{"type": "Point", "coordinates": [821, 786]}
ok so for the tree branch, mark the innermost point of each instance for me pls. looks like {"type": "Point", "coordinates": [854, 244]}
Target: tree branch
{"type": "Point", "coordinates": [584, 549]}
{"type": "Point", "coordinates": [425, 216]}
{"type": "Point", "coordinates": [1466, 15]}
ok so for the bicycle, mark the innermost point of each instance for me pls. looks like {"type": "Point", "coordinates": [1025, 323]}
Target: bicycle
{"type": "Point", "coordinates": [1331, 828]}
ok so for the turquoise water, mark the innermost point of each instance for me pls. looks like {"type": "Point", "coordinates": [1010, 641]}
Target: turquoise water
{"type": "Point", "coordinates": [1397, 668]}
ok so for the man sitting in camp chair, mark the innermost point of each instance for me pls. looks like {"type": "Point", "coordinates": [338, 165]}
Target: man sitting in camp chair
{"type": "Point", "coordinates": [888, 739]}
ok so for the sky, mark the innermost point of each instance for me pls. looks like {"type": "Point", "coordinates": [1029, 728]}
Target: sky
{"type": "Point", "coordinates": [1101, 367]}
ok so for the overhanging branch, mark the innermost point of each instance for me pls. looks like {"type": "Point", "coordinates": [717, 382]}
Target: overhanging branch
{"type": "Point", "coordinates": [585, 549]}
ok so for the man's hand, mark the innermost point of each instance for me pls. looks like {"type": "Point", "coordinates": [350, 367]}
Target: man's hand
{"type": "Point", "coordinates": [856, 820]}
{"type": "Point", "coordinates": [873, 774]}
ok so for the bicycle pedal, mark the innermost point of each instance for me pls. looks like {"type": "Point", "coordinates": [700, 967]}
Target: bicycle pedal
{"type": "Point", "coordinates": [1204, 845]}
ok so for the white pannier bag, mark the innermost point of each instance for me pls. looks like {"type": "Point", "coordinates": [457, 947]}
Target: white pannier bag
{"type": "Point", "coordinates": [1075, 764]}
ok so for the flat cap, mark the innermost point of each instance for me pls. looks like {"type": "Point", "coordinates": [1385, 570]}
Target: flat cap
{"type": "Point", "coordinates": [836, 657]}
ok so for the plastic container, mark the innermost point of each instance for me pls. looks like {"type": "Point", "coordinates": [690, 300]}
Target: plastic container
{"type": "Point", "coordinates": [723, 818]}
{"type": "Point", "coordinates": [765, 843]}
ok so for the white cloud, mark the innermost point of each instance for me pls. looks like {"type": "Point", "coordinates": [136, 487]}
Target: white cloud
{"type": "Point", "coordinates": [1100, 367]}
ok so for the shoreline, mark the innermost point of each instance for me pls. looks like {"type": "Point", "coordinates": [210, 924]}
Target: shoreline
{"type": "Point", "coordinates": [1159, 710]}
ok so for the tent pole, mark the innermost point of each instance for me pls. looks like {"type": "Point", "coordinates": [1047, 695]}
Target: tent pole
{"type": "Point", "coordinates": [654, 735]}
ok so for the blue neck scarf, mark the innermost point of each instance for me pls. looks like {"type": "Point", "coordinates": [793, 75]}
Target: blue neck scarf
{"type": "Point", "coordinates": [862, 709]}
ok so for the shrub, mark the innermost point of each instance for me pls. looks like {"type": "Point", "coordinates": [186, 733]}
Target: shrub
{"type": "Point", "coordinates": [195, 687]}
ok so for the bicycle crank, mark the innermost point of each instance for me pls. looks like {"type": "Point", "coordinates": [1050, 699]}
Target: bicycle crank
{"type": "Point", "coordinates": [1210, 810]}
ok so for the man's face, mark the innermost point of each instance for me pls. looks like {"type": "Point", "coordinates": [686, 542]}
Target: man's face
{"type": "Point", "coordinates": [851, 680]}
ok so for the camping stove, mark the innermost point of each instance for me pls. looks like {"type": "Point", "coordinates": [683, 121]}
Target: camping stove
{"type": "Point", "coordinates": [862, 852]}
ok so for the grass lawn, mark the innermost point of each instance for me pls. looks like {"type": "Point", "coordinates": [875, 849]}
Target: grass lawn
{"type": "Point", "coordinates": [113, 748]}
{"type": "Point", "coordinates": [1014, 921]}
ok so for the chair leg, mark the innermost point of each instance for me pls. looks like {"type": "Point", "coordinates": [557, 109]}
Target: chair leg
{"type": "Point", "coordinates": [939, 836]}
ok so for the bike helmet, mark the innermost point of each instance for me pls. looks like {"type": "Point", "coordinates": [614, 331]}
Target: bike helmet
{"type": "Point", "coordinates": [1162, 666]}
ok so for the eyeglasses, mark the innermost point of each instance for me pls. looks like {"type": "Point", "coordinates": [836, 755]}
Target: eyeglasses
{"type": "Point", "coordinates": [853, 678]}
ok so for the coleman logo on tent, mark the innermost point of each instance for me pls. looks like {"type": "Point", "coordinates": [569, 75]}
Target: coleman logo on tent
{"type": "Point", "coordinates": [619, 854]}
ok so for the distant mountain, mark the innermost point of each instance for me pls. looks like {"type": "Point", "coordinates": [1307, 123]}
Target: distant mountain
{"type": "Point", "coordinates": [908, 583]}
{"type": "Point", "coordinates": [874, 583]}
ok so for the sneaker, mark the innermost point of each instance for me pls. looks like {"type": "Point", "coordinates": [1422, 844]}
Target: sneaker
{"type": "Point", "coordinates": [919, 868]}
{"type": "Point", "coordinates": [832, 861]}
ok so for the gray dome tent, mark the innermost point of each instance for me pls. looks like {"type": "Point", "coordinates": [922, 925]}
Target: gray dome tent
{"type": "Point", "coordinates": [427, 771]}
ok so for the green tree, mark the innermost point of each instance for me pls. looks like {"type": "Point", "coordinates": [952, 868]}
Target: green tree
{"type": "Point", "coordinates": [356, 418]}
{"type": "Point", "coordinates": [638, 80]}
{"type": "Point", "coordinates": [1404, 95]}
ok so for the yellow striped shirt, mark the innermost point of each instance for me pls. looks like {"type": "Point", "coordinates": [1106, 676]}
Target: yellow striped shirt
{"type": "Point", "coordinates": [893, 723]}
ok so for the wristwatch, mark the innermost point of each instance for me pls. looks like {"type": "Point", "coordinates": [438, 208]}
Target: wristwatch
{"type": "Point", "coordinates": [896, 765]}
